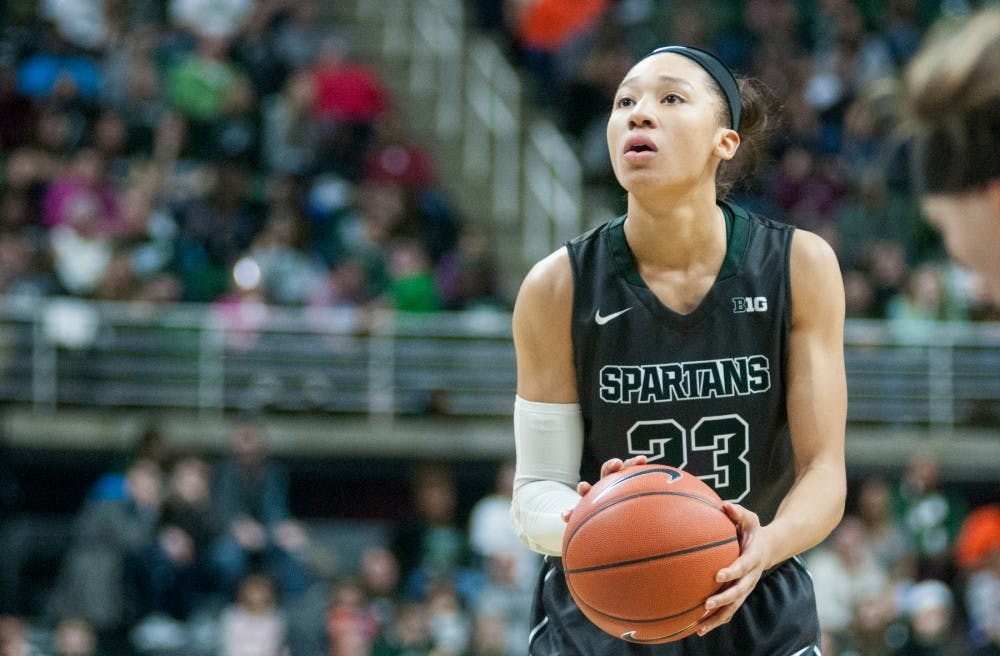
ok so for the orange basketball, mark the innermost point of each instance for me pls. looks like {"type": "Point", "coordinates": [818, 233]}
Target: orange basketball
{"type": "Point", "coordinates": [642, 549]}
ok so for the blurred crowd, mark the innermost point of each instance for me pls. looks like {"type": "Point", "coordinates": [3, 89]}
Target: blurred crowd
{"type": "Point", "coordinates": [243, 152]}
{"type": "Point", "coordinates": [183, 553]}
{"type": "Point", "coordinates": [223, 152]}
{"type": "Point", "coordinates": [835, 164]}
{"type": "Point", "coordinates": [177, 552]}
{"type": "Point", "coordinates": [912, 570]}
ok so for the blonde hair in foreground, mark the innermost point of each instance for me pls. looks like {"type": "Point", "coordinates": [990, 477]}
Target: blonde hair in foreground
{"type": "Point", "coordinates": [958, 71]}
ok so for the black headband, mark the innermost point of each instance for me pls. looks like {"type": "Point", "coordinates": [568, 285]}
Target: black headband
{"type": "Point", "coordinates": [717, 70]}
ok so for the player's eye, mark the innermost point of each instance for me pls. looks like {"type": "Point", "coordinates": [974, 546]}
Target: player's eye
{"type": "Point", "coordinates": [672, 99]}
{"type": "Point", "coordinates": [624, 101]}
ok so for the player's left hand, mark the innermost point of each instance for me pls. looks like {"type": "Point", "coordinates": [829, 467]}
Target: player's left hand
{"type": "Point", "coordinates": [742, 576]}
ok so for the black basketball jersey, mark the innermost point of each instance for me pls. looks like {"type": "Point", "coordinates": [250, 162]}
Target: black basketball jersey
{"type": "Point", "coordinates": [703, 391]}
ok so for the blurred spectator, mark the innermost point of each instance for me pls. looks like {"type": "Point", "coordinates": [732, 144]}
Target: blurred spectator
{"type": "Point", "coordinates": [542, 29]}
{"type": "Point", "coordinates": [290, 131]}
{"type": "Point", "coordinates": [16, 637]}
{"type": "Point", "coordinates": [287, 275]}
{"type": "Point", "coordinates": [254, 50]}
{"type": "Point", "coordinates": [176, 572]}
{"type": "Point", "coordinates": [75, 637]}
{"type": "Point", "coordinates": [845, 574]}
{"type": "Point", "coordinates": [395, 158]}
{"type": "Point", "coordinates": [60, 73]}
{"type": "Point", "coordinates": [149, 445]}
{"type": "Point", "coordinates": [254, 624]}
{"type": "Point", "coordinates": [211, 18]}
{"type": "Point", "coordinates": [469, 277]}
{"type": "Point", "coordinates": [84, 197]}
{"type": "Point", "coordinates": [97, 577]}
{"type": "Point", "coordinates": [350, 97]}
{"type": "Point", "coordinates": [887, 268]}
{"type": "Point", "coordinates": [351, 624]}
{"type": "Point", "coordinates": [428, 542]}
{"type": "Point", "coordinates": [931, 622]}
{"type": "Point", "coordinates": [448, 622]}
{"type": "Point", "coordinates": [888, 540]}
{"type": "Point", "coordinates": [977, 554]}
{"type": "Point", "coordinates": [251, 492]}
{"type": "Point", "coordinates": [859, 297]}
{"type": "Point", "coordinates": [491, 532]}
{"type": "Point", "coordinates": [504, 594]}
{"type": "Point", "coordinates": [379, 578]}
{"type": "Point", "coordinates": [215, 230]}
{"type": "Point", "coordinates": [489, 637]}
{"type": "Point", "coordinates": [931, 513]}
{"type": "Point", "coordinates": [411, 280]}
{"type": "Point", "coordinates": [300, 35]}
{"type": "Point", "coordinates": [203, 86]}
{"type": "Point", "coordinates": [409, 634]}
{"type": "Point", "coordinates": [923, 302]}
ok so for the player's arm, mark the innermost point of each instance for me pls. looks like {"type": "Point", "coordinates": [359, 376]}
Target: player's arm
{"type": "Point", "coordinates": [816, 394]}
{"type": "Point", "coordinates": [548, 428]}
{"type": "Point", "coordinates": [816, 399]}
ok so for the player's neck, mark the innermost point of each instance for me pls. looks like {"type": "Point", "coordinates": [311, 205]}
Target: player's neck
{"type": "Point", "coordinates": [676, 235]}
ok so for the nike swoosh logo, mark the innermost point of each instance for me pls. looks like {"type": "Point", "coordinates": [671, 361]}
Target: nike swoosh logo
{"type": "Point", "coordinates": [603, 320]}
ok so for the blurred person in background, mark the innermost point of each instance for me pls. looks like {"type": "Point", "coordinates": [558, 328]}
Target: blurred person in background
{"type": "Point", "coordinates": [176, 573]}
{"type": "Point", "coordinates": [251, 494]}
{"type": "Point", "coordinates": [846, 574]}
{"type": "Point", "coordinates": [97, 579]}
{"type": "Point", "coordinates": [75, 637]}
{"type": "Point", "coordinates": [931, 511]}
{"type": "Point", "coordinates": [351, 623]}
{"type": "Point", "coordinates": [885, 533]}
{"type": "Point", "coordinates": [932, 622]}
{"type": "Point", "coordinates": [429, 543]}
{"type": "Point", "coordinates": [977, 554]}
{"type": "Point", "coordinates": [408, 635]}
{"type": "Point", "coordinates": [379, 576]}
{"type": "Point", "coordinates": [254, 624]}
{"type": "Point", "coordinates": [951, 112]}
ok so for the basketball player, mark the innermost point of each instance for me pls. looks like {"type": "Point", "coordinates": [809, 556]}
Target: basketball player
{"type": "Point", "coordinates": [688, 332]}
{"type": "Point", "coordinates": [951, 108]}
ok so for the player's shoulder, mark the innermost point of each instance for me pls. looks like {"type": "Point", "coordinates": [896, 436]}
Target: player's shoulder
{"type": "Point", "coordinates": [817, 286]}
{"type": "Point", "coordinates": [549, 277]}
{"type": "Point", "coordinates": [811, 252]}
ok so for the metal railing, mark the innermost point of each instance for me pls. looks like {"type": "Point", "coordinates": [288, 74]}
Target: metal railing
{"type": "Point", "coordinates": [60, 353]}
{"type": "Point", "coordinates": [69, 353]}
{"type": "Point", "coordinates": [531, 171]}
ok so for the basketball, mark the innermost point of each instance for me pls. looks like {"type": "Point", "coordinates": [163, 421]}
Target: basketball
{"type": "Point", "coordinates": [641, 551]}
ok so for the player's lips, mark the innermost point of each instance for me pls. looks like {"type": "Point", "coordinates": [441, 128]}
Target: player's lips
{"type": "Point", "coordinates": [639, 147]}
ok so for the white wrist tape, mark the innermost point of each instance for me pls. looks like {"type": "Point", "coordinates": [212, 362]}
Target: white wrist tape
{"type": "Point", "coordinates": [548, 438]}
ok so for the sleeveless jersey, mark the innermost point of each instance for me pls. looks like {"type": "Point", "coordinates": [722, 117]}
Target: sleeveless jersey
{"type": "Point", "coordinates": [704, 391]}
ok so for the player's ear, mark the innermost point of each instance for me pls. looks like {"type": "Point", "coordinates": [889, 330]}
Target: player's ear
{"type": "Point", "coordinates": [729, 141]}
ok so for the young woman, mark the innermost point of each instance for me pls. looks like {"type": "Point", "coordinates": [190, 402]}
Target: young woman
{"type": "Point", "coordinates": [951, 102]}
{"type": "Point", "coordinates": [692, 333]}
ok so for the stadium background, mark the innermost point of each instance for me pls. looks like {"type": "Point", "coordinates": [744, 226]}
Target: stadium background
{"type": "Point", "coordinates": [315, 215]}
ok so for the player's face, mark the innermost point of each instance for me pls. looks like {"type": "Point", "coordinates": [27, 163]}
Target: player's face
{"type": "Point", "coordinates": [970, 225]}
{"type": "Point", "coordinates": [665, 130]}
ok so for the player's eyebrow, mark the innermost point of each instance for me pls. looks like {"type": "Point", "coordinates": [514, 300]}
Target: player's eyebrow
{"type": "Point", "coordinates": [663, 78]}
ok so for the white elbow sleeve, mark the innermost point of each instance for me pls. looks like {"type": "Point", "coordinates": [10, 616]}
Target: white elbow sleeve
{"type": "Point", "coordinates": [548, 438]}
